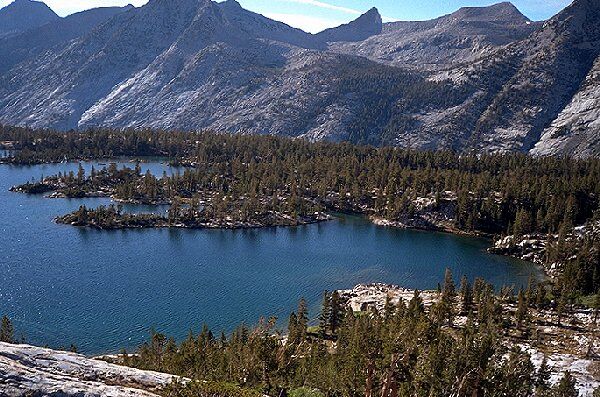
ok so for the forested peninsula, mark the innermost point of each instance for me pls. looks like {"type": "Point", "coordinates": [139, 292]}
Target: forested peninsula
{"type": "Point", "coordinates": [542, 209]}
{"type": "Point", "coordinates": [470, 339]}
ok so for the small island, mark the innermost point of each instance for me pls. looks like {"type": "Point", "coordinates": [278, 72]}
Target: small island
{"type": "Point", "coordinates": [543, 210]}
{"type": "Point", "coordinates": [190, 217]}
{"type": "Point", "coordinates": [205, 205]}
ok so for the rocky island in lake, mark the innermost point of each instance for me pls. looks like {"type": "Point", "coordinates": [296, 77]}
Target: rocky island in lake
{"type": "Point", "coordinates": [237, 181]}
{"type": "Point", "coordinates": [195, 201]}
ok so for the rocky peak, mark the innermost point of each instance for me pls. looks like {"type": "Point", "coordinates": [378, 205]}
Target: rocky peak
{"type": "Point", "coordinates": [22, 15]}
{"type": "Point", "coordinates": [579, 22]}
{"type": "Point", "coordinates": [367, 25]}
{"type": "Point", "coordinates": [258, 26]}
{"type": "Point", "coordinates": [180, 9]}
{"type": "Point", "coordinates": [232, 5]}
{"type": "Point", "coordinates": [505, 13]}
{"type": "Point", "coordinates": [16, 48]}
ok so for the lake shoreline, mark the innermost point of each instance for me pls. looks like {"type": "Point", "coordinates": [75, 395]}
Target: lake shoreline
{"type": "Point", "coordinates": [126, 277]}
{"type": "Point", "coordinates": [427, 220]}
{"type": "Point", "coordinates": [216, 224]}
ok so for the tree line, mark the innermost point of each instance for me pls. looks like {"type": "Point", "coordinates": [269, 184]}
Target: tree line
{"type": "Point", "coordinates": [405, 349]}
{"type": "Point", "coordinates": [497, 194]}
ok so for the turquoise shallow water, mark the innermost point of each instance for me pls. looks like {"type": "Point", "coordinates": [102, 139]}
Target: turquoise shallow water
{"type": "Point", "coordinates": [104, 290]}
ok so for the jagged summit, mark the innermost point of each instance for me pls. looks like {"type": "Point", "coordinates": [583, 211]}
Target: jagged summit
{"type": "Point", "coordinates": [22, 15]}
{"type": "Point", "coordinates": [549, 85]}
{"type": "Point", "coordinates": [477, 20]}
{"type": "Point", "coordinates": [494, 79]}
{"type": "Point", "coordinates": [176, 5]}
{"type": "Point", "coordinates": [460, 37]}
{"type": "Point", "coordinates": [367, 25]}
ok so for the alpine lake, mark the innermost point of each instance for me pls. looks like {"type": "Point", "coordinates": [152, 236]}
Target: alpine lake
{"type": "Point", "coordinates": [105, 290]}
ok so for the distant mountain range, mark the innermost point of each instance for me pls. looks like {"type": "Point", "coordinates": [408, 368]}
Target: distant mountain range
{"type": "Point", "coordinates": [479, 79]}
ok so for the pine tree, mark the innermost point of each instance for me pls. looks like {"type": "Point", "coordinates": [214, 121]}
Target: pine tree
{"type": "Point", "coordinates": [388, 309]}
{"type": "Point", "coordinates": [416, 306]}
{"type": "Point", "coordinates": [337, 312]}
{"type": "Point", "coordinates": [325, 314]}
{"type": "Point", "coordinates": [466, 294]}
{"type": "Point", "coordinates": [571, 211]}
{"type": "Point", "coordinates": [293, 334]}
{"type": "Point", "coordinates": [542, 378]}
{"type": "Point", "coordinates": [566, 387]}
{"type": "Point", "coordinates": [7, 332]}
{"type": "Point", "coordinates": [540, 296]}
{"type": "Point", "coordinates": [80, 174]}
{"type": "Point", "coordinates": [302, 318]}
{"type": "Point", "coordinates": [561, 308]}
{"type": "Point", "coordinates": [445, 307]}
{"type": "Point", "coordinates": [531, 290]}
{"type": "Point", "coordinates": [449, 290]}
{"type": "Point", "coordinates": [523, 223]}
{"type": "Point", "coordinates": [522, 309]}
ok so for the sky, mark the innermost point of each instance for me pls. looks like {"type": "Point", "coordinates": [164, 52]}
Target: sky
{"type": "Point", "coordinates": [316, 15]}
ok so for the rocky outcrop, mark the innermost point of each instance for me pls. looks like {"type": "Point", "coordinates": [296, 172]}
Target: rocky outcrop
{"type": "Point", "coordinates": [549, 68]}
{"type": "Point", "coordinates": [576, 130]}
{"type": "Point", "coordinates": [32, 371]}
{"type": "Point", "coordinates": [22, 15]}
{"type": "Point", "coordinates": [534, 247]}
{"type": "Point", "coordinates": [463, 36]}
{"type": "Point", "coordinates": [35, 42]}
{"type": "Point", "coordinates": [365, 297]}
{"type": "Point", "coordinates": [259, 26]}
{"type": "Point", "coordinates": [428, 213]}
{"type": "Point", "coordinates": [531, 247]}
{"type": "Point", "coordinates": [367, 25]}
{"type": "Point", "coordinates": [482, 78]}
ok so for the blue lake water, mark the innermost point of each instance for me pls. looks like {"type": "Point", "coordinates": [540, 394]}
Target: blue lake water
{"type": "Point", "coordinates": [104, 290]}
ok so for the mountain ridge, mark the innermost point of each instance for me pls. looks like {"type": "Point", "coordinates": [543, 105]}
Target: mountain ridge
{"type": "Point", "coordinates": [367, 25]}
{"type": "Point", "coordinates": [22, 15]}
{"type": "Point", "coordinates": [448, 83]}
{"type": "Point", "coordinates": [35, 41]}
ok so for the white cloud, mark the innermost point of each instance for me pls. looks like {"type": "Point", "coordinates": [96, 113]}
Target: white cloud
{"type": "Point", "coordinates": [323, 22]}
{"type": "Point", "coordinates": [328, 6]}
{"type": "Point", "coordinates": [305, 22]}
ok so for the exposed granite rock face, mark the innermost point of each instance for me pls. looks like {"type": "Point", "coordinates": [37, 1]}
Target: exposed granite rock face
{"type": "Point", "coordinates": [576, 130]}
{"type": "Point", "coordinates": [22, 15]}
{"type": "Point", "coordinates": [27, 370]}
{"type": "Point", "coordinates": [460, 37]}
{"type": "Point", "coordinates": [481, 78]}
{"type": "Point", "coordinates": [428, 214]}
{"type": "Point", "coordinates": [550, 67]}
{"type": "Point", "coordinates": [367, 25]}
{"type": "Point", "coordinates": [256, 25]}
{"type": "Point", "coordinates": [365, 297]}
{"type": "Point", "coordinates": [534, 247]}
{"type": "Point", "coordinates": [35, 42]}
